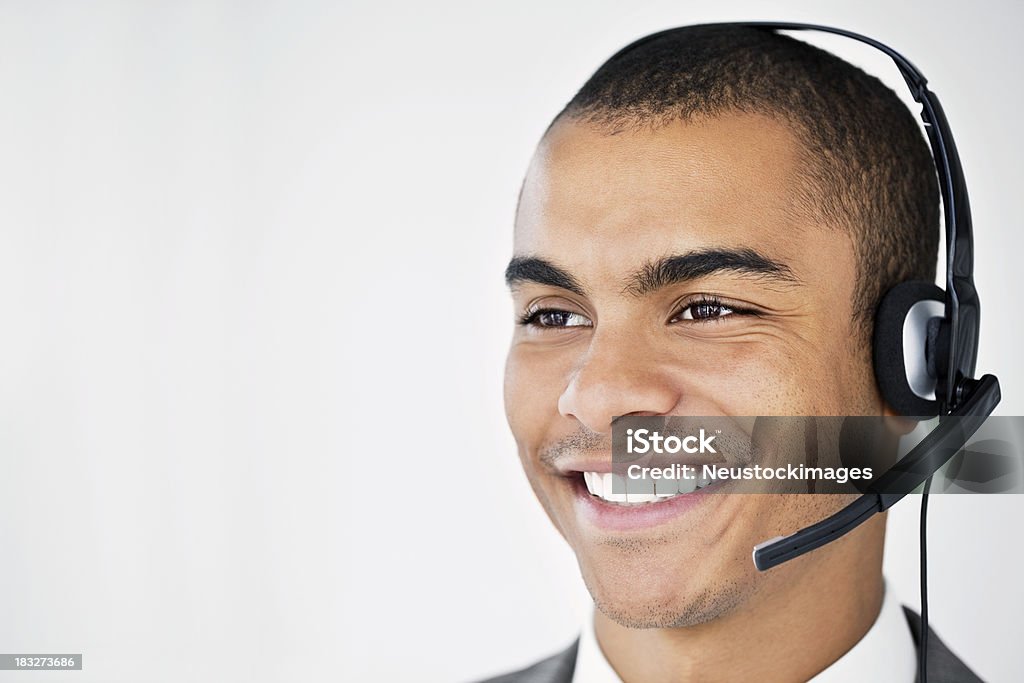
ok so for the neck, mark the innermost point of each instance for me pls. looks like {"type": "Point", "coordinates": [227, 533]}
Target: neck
{"type": "Point", "coordinates": [805, 616]}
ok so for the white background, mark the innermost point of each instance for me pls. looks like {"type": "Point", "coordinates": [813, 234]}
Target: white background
{"type": "Point", "coordinates": [250, 279]}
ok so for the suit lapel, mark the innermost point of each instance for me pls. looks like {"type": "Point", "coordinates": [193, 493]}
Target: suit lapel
{"type": "Point", "coordinates": [943, 665]}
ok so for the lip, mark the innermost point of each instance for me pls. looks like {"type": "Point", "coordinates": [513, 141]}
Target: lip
{"type": "Point", "coordinates": [611, 517]}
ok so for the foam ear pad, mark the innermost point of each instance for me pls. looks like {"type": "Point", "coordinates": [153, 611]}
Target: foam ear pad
{"type": "Point", "coordinates": [903, 353]}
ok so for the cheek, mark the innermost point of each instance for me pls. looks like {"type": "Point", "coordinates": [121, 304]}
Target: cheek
{"type": "Point", "coordinates": [815, 371]}
{"type": "Point", "coordinates": [750, 378]}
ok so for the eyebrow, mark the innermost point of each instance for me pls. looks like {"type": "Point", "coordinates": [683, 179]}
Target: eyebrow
{"type": "Point", "coordinates": [540, 271]}
{"type": "Point", "coordinates": [661, 273]}
{"type": "Point", "coordinates": [671, 270]}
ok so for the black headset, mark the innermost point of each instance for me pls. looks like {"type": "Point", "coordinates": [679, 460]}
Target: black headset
{"type": "Point", "coordinates": [925, 350]}
{"type": "Point", "coordinates": [925, 339]}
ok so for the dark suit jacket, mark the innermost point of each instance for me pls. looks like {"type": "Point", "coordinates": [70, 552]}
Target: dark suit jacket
{"type": "Point", "coordinates": [943, 665]}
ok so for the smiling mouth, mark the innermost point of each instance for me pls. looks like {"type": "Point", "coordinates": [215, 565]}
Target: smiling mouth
{"type": "Point", "coordinates": [600, 486]}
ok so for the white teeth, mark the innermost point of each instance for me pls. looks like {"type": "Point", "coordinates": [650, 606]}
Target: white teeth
{"type": "Point", "coordinates": [611, 483]}
{"type": "Point", "coordinates": [664, 488]}
{"type": "Point", "coordinates": [601, 486]}
{"type": "Point", "coordinates": [687, 485]}
{"type": "Point", "coordinates": [640, 491]}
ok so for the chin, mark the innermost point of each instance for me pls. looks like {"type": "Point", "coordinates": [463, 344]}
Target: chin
{"type": "Point", "coordinates": [635, 609]}
{"type": "Point", "coordinates": [639, 595]}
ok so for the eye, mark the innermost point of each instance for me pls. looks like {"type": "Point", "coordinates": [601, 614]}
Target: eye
{"type": "Point", "coordinates": [707, 309]}
{"type": "Point", "coordinates": [704, 310]}
{"type": "Point", "coordinates": [554, 318]}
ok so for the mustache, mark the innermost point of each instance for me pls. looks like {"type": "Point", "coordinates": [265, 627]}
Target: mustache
{"type": "Point", "coordinates": [583, 439]}
{"type": "Point", "coordinates": [736, 446]}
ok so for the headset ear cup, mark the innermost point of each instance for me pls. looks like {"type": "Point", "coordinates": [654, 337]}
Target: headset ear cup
{"type": "Point", "coordinates": [904, 369]}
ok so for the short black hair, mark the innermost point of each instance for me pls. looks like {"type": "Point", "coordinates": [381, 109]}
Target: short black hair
{"type": "Point", "coordinates": [869, 168]}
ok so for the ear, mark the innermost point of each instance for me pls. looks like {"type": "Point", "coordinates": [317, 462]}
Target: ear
{"type": "Point", "coordinates": [903, 347]}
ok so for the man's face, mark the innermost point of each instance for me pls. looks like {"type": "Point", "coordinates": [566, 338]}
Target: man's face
{"type": "Point", "coordinates": [673, 272]}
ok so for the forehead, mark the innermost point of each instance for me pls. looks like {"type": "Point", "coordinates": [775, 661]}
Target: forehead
{"type": "Point", "coordinates": [729, 180]}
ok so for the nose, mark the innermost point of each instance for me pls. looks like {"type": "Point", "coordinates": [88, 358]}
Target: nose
{"type": "Point", "coordinates": [616, 377]}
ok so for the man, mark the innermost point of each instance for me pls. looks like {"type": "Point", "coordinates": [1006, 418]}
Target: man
{"type": "Point", "coordinates": [706, 229]}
